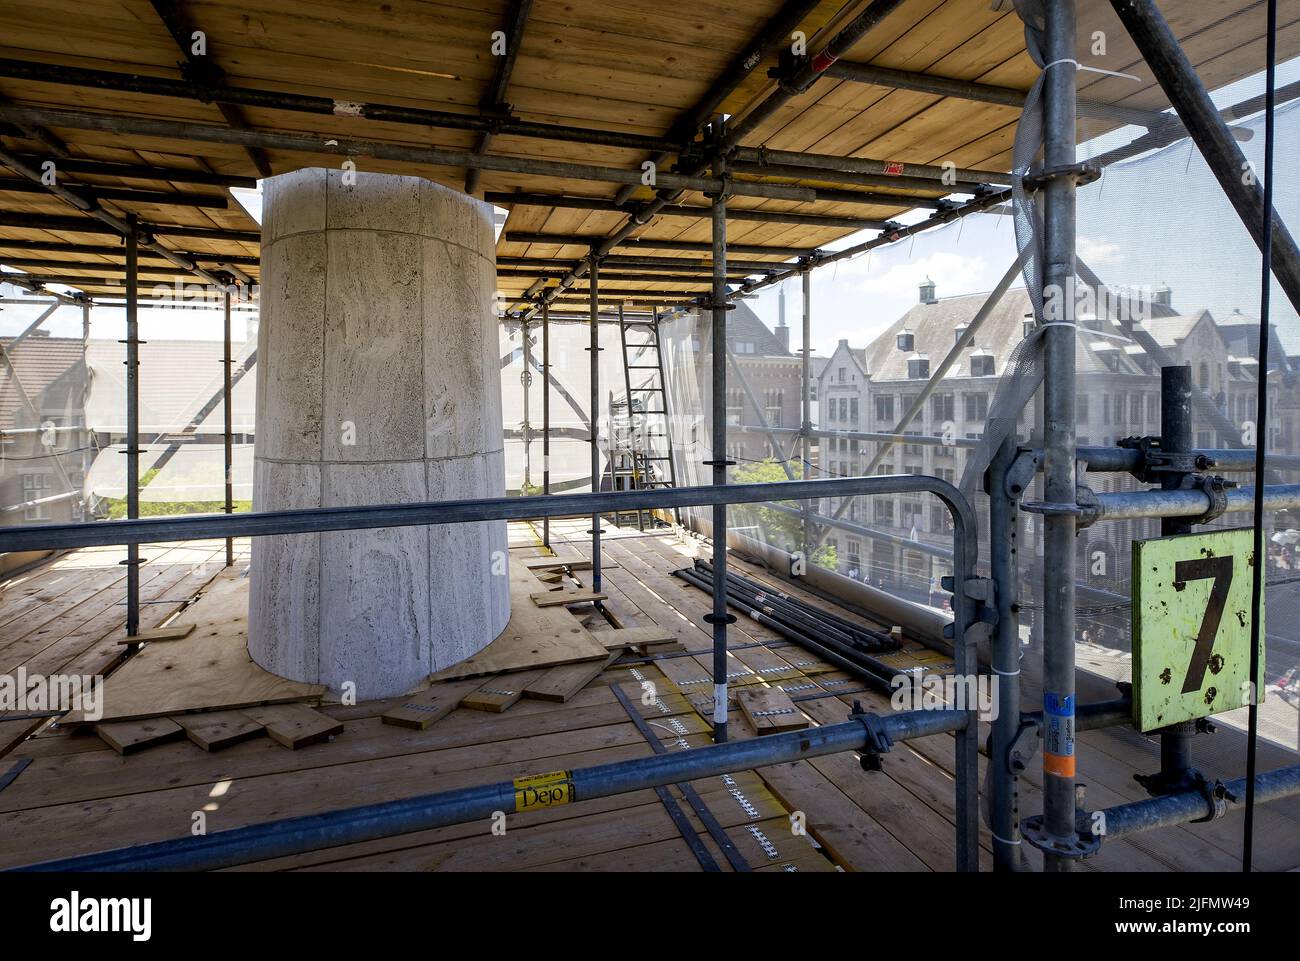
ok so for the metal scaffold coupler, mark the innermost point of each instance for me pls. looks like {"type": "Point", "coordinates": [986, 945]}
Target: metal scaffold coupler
{"type": "Point", "coordinates": [878, 742]}
{"type": "Point", "coordinates": [1084, 843]}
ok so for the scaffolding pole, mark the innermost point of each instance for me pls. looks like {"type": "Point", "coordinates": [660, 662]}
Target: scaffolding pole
{"type": "Point", "coordinates": [1059, 436]}
{"type": "Point", "coordinates": [720, 616]}
{"type": "Point", "coordinates": [1004, 568]}
{"type": "Point", "coordinates": [805, 403]}
{"type": "Point", "coordinates": [226, 362]}
{"type": "Point", "coordinates": [132, 422]}
{"type": "Point", "coordinates": [593, 266]}
{"type": "Point", "coordinates": [1176, 437]}
{"type": "Point", "coordinates": [546, 416]}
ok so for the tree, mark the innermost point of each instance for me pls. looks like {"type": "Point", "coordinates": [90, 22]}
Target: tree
{"type": "Point", "coordinates": [778, 528]}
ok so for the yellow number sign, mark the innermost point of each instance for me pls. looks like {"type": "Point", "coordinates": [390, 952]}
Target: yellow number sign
{"type": "Point", "coordinates": [1191, 626]}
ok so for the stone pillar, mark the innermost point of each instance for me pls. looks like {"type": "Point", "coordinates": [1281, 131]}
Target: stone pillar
{"type": "Point", "coordinates": [378, 382]}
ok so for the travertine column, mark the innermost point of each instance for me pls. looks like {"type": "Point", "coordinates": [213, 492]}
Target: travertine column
{"type": "Point", "coordinates": [378, 382]}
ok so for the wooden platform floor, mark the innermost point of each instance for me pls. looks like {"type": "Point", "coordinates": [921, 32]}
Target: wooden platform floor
{"type": "Point", "coordinates": [75, 795]}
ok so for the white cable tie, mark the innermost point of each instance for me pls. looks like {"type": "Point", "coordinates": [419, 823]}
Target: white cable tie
{"type": "Point", "coordinates": [997, 837]}
{"type": "Point", "coordinates": [1090, 69]}
{"type": "Point", "coordinates": [1059, 323]}
{"type": "Point", "coordinates": [1015, 673]}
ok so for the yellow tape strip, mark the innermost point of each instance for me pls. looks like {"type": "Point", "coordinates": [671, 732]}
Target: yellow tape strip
{"type": "Point", "coordinates": [543, 790]}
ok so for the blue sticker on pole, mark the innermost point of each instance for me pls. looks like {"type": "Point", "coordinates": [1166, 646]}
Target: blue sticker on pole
{"type": "Point", "coordinates": [1058, 734]}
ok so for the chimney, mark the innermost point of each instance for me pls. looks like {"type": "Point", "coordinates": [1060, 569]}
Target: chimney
{"type": "Point", "coordinates": [927, 291]}
{"type": "Point", "coordinates": [1163, 296]}
{"type": "Point", "coordinates": [782, 331]}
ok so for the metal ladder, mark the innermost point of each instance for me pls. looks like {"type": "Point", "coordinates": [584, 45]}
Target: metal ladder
{"type": "Point", "coordinates": [638, 463]}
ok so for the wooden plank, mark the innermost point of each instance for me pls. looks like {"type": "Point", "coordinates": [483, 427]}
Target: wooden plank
{"type": "Point", "coordinates": [624, 638]}
{"type": "Point", "coordinates": [566, 597]}
{"type": "Point", "coordinates": [561, 683]}
{"type": "Point", "coordinates": [219, 729]}
{"type": "Point", "coordinates": [558, 563]}
{"type": "Point", "coordinates": [854, 838]}
{"type": "Point", "coordinates": [127, 737]}
{"type": "Point", "coordinates": [295, 725]}
{"type": "Point", "coordinates": [770, 710]}
{"type": "Point", "coordinates": [498, 694]}
{"type": "Point", "coordinates": [173, 632]}
{"type": "Point", "coordinates": [427, 707]}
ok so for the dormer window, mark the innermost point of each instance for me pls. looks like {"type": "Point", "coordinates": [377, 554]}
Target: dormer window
{"type": "Point", "coordinates": [918, 367]}
{"type": "Point", "coordinates": [906, 340]}
{"type": "Point", "coordinates": [959, 331]}
{"type": "Point", "coordinates": [981, 365]}
{"type": "Point", "coordinates": [1029, 326]}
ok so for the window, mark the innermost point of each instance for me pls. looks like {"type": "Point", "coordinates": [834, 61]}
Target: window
{"type": "Point", "coordinates": [940, 520]}
{"type": "Point", "coordinates": [735, 407]}
{"type": "Point", "coordinates": [885, 409]}
{"type": "Point", "coordinates": [745, 347]}
{"type": "Point", "coordinates": [941, 408]}
{"type": "Point", "coordinates": [918, 368]}
{"type": "Point", "coordinates": [882, 510]}
{"type": "Point", "coordinates": [977, 406]}
{"type": "Point", "coordinates": [844, 408]}
{"type": "Point", "coordinates": [959, 331]}
{"type": "Point", "coordinates": [912, 512]}
{"type": "Point", "coordinates": [842, 377]}
{"type": "Point", "coordinates": [944, 474]}
{"type": "Point", "coordinates": [1135, 408]}
{"type": "Point", "coordinates": [981, 365]}
{"type": "Point", "coordinates": [853, 410]}
{"type": "Point", "coordinates": [1081, 408]}
{"type": "Point", "coordinates": [36, 487]}
{"type": "Point", "coordinates": [906, 341]}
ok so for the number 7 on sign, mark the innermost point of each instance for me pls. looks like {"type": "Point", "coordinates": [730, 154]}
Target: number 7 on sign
{"type": "Point", "coordinates": [1200, 568]}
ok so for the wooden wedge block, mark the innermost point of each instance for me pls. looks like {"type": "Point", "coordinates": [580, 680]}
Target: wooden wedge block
{"type": "Point", "coordinates": [425, 708]}
{"type": "Point", "coordinates": [295, 725]}
{"type": "Point", "coordinates": [572, 563]}
{"type": "Point", "coordinates": [559, 598]}
{"type": "Point", "coordinates": [770, 710]}
{"type": "Point", "coordinates": [174, 632]}
{"type": "Point", "coordinates": [128, 737]}
{"type": "Point", "coordinates": [219, 729]}
{"type": "Point", "coordinates": [499, 693]}
{"type": "Point", "coordinates": [561, 683]}
{"type": "Point", "coordinates": [635, 637]}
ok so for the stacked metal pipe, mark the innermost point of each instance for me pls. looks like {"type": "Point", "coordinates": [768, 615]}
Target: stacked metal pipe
{"type": "Point", "coordinates": [837, 639]}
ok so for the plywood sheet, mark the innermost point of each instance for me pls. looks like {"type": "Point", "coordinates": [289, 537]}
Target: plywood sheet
{"type": "Point", "coordinates": [209, 670]}
{"type": "Point", "coordinates": [535, 636]}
